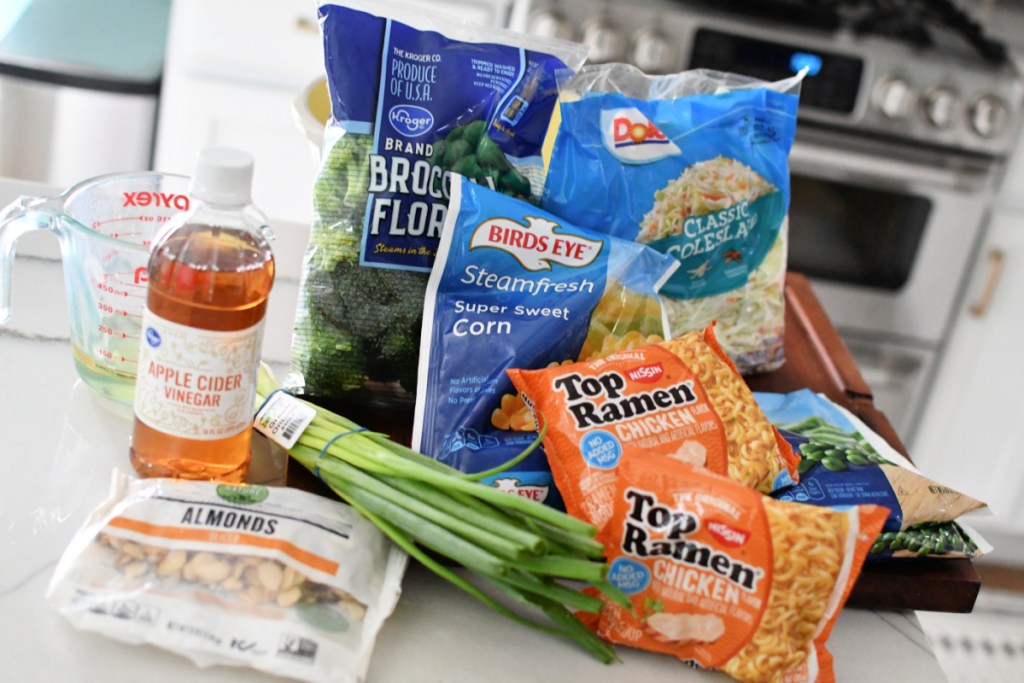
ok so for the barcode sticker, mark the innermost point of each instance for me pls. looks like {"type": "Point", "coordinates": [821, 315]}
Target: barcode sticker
{"type": "Point", "coordinates": [282, 418]}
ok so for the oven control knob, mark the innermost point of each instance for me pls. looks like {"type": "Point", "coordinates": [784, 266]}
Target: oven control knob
{"type": "Point", "coordinates": [940, 106]}
{"type": "Point", "coordinates": [605, 41]}
{"type": "Point", "coordinates": [989, 116]}
{"type": "Point", "coordinates": [550, 24]}
{"type": "Point", "coordinates": [894, 97]}
{"type": "Point", "coordinates": [652, 51]}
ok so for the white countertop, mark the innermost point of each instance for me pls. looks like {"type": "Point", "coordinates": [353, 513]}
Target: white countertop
{"type": "Point", "coordinates": [61, 441]}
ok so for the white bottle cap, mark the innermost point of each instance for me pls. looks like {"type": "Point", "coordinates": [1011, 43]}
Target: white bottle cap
{"type": "Point", "coordinates": [223, 176]}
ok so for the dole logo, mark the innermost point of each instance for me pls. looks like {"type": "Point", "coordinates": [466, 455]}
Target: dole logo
{"type": "Point", "coordinates": [632, 137]}
{"type": "Point", "coordinates": [646, 374]}
{"type": "Point", "coordinates": [410, 120]}
{"type": "Point", "coordinates": [726, 534]}
{"type": "Point", "coordinates": [536, 245]}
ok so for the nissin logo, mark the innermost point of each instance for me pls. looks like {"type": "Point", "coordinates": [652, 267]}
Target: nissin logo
{"type": "Point", "coordinates": [632, 137]}
{"type": "Point", "coordinates": [410, 120]}
{"type": "Point", "coordinates": [646, 374]}
{"type": "Point", "coordinates": [727, 534]}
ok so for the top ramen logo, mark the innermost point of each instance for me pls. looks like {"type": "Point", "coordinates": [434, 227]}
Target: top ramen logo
{"type": "Point", "coordinates": [631, 137]}
{"type": "Point", "coordinates": [536, 245]}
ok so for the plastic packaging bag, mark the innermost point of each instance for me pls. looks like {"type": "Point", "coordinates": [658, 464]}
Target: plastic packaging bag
{"type": "Point", "coordinates": [726, 578]}
{"type": "Point", "coordinates": [844, 462]}
{"type": "Point", "coordinates": [517, 287]}
{"type": "Point", "coordinates": [414, 98]}
{"type": "Point", "coordinates": [268, 577]}
{"type": "Point", "coordinates": [677, 400]}
{"type": "Point", "coordinates": [694, 164]}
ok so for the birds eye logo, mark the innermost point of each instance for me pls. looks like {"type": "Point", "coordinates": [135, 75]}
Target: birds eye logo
{"type": "Point", "coordinates": [153, 337]}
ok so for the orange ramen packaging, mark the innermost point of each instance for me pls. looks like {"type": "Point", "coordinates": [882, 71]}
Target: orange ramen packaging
{"type": "Point", "coordinates": [680, 400]}
{"type": "Point", "coordinates": [726, 578]}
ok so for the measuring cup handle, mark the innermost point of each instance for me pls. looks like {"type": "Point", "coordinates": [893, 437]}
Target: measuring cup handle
{"type": "Point", "coordinates": [21, 216]}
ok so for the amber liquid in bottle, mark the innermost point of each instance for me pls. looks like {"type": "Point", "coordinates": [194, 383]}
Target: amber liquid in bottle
{"type": "Point", "coordinates": [210, 278]}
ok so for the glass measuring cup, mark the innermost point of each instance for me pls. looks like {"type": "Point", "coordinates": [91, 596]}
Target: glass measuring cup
{"type": "Point", "coordinates": [105, 227]}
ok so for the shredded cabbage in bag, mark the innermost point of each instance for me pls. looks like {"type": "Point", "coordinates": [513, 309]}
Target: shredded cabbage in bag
{"type": "Point", "coordinates": [695, 165]}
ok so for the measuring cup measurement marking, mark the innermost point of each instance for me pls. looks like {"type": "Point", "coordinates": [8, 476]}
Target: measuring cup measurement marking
{"type": "Point", "coordinates": [105, 257]}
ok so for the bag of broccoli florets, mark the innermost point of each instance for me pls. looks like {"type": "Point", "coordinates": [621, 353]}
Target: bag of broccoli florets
{"type": "Point", "coordinates": [414, 98]}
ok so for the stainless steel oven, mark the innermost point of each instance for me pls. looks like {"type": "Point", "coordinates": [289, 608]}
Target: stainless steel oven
{"type": "Point", "coordinates": [905, 126]}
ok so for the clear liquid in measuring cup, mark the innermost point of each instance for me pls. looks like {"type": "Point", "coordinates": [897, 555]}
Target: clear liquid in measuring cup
{"type": "Point", "coordinates": [107, 349]}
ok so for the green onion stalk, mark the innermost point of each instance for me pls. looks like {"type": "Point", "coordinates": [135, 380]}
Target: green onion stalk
{"type": "Point", "coordinates": [534, 554]}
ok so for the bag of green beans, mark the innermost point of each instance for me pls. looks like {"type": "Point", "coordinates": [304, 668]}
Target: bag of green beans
{"type": "Point", "coordinates": [843, 462]}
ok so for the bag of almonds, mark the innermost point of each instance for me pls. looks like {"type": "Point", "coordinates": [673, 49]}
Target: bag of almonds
{"type": "Point", "coordinates": [268, 577]}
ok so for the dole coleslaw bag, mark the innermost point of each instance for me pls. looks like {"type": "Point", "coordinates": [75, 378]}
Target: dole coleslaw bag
{"type": "Point", "coordinates": [514, 286]}
{"type": "Point", "coordinates": [695, 165]}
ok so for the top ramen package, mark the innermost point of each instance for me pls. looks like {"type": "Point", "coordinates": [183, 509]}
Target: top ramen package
{"type": "Point", "coordinates": [517, 287]}
{"type": "Point", "coordinates": [414, 98]}
{"type": "Point", "coordinates": [844, 462]}
{"type": "Point", "coordinates": [726, 578]}
{"type": "Point", "coordinates": [696, 166]}
{"type": "Point", "coordinates": [678, 400]}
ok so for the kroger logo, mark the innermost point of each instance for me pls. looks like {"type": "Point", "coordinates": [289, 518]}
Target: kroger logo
{"type": "Point", "coordinates": [152, 337]}
{"type": "Point", "coordinates": [410, 120]}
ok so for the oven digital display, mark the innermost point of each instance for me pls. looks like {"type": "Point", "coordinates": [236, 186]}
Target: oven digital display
{"type": "Point", "coordinates": [832, 83]}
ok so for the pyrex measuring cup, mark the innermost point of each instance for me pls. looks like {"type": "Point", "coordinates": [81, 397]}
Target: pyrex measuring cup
{"type": "Point", "coordinates": [105, 227]}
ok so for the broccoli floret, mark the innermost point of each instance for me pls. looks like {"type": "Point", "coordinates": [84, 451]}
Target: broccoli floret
{"type": "Point", "coordinates": [383, 312]}
{"type": "Point", "coordinates": [358, 323]}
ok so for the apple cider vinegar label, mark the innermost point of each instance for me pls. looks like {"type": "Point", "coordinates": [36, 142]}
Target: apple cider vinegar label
{"type": "Point", "coordinates": [189, 383]}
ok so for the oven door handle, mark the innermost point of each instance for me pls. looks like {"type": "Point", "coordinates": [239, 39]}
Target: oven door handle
{"type": "Point", "coordinates": [995, 269]}
{"type": "Point", "coordinates": [844, 164]}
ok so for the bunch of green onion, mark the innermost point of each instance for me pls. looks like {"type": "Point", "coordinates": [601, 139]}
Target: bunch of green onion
{"type": "Point", "coordinates": [523, 548]}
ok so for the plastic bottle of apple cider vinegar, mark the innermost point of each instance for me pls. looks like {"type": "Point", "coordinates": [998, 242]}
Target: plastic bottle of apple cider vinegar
{"type": "Point", "coordinates": [210, 273]}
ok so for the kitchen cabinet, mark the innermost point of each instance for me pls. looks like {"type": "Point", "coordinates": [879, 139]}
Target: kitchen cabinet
{"type": "Point", "coordinates": [972, 431]}
{"type": "Point", "coordinates": [232, 71]}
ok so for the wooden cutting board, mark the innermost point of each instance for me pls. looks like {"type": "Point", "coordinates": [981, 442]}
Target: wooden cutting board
{"type": "Point", "coordinates": [817, 359]}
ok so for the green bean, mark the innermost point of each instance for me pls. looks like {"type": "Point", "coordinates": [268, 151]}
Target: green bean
{"type": "Point", "coordinates": [855, 458]}
{"type": "Point", "coordinates": [834, 464]}
{"type": "Point", "coordinates": [812, 452]}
